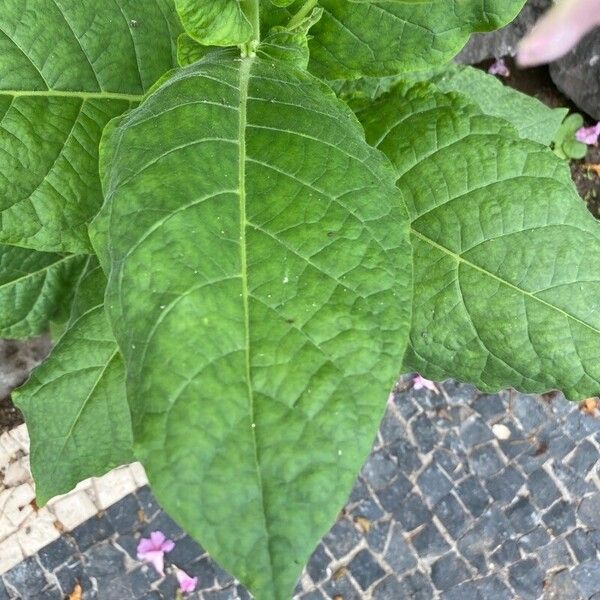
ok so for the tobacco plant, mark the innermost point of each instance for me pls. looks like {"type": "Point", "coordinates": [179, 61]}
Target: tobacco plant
{"type": "Point", "coordinates": [248, 218]}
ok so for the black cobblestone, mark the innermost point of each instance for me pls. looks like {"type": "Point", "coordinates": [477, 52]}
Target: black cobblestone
{"type": "Point", "coordinates": [442, 511]}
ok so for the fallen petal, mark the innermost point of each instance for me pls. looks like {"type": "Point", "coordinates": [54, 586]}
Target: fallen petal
{"type": "Point", "coordinates": [186, 583]}
{"type": "Point", "coordinates": [499, 68]}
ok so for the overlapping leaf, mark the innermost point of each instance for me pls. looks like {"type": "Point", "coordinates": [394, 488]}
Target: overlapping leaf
{"type": "Point", "coordinates": [34, 286]}
{"type": "Point", "coordinates": [506, 257]}
{"type": "Point", "coordinates": [260, 293]}
{"type": "Point", "coordinates": [67, 68]}
{"type": "Point", "coordinates": [74, 403]}
{"type": "Point", "coordinates": [386, 37]}
{"type": "Point", "coordinates": [216, 23]}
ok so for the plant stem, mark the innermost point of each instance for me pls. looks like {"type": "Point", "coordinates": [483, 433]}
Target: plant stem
{"type": "Point", "coordinates": [306, 8]}
{"type": "Point", "coordinates": [252, 13]}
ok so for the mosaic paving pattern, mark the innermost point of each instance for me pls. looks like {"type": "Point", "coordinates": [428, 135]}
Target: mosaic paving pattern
{"type": "Point", "coordinates": [465, 496]}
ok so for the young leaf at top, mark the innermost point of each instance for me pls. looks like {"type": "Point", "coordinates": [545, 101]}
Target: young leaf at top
{"type": "Point", "coordinates": [216, 22]}
{"type": "Point", "coordinates": [74, 403]}
{"type": "Point", "coordinates": [67, 68]}
{"type": "Point", "coordinates": [33, 287]}
{"type": "Point", "coordinates": [506, 257]}
{"type": "Point", "coordinates": [259, 290]}
{"type": "Point", "coordinates": [387, 37]}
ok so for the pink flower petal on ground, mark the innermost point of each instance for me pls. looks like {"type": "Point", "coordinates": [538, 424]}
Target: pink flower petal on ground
{"type": "Point", "coordinates": [153, 549]}
{"type": "Point", "coordinates": [186, 583]}
{"type": "Point", "coordinates": [558, 31]}
{"type": "Point", "coordinates": [419, 383]}
{"type": "Point", "coordinates": [499, 68]}
{"type": "Point", "coordinates": [588, 135]}
{"type": "Point", "coordinates": [156, 558]}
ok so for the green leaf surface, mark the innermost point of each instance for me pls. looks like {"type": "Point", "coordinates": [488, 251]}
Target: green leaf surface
{"type": "Point", "coordinates": [74, 403]}
{"type": "Point", "coordinates": [216, 22]}
{"type": "Point", "coordinates": [506, 256]}
{"type": "Point", "coordinates": [387, 37]}
{"type": "Point", "coordinates": [34, 286]}
{"type": "Point", "coordinates": [66, 69]}
{"type": "Point", "coordinates": [260, 293]}
{"type": "Point", "coordinates": [532, 119]}
{"type": "Point", "coordinates": [566, 145]}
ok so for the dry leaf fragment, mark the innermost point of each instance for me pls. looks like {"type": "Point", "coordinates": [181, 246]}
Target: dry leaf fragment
{"type": "Point", "coordinates": [593, 167]}
{"type": "Point", "coordinates": [363, 524]}
{"type": "Point", "coordinates": [589, 406]}
{"type": "Point", "coordinates": [76, 594]}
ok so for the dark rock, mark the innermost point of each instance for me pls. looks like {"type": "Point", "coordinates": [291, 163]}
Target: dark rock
{"type": "Point", "coordinates": [587, 576]}
{"type": "Point", "coordinates": [452, 515]}
{"type": "Point", "coordinates": [425, 433]}
{"type": "Point", "coordinates": [589, 511]}
{"type": "Point", "coordinates": [379, 470]}
{"type": "Point", "coordinates": [103, 560]}
{"type": "Point", "coordinates": [377, 536]}
{"type": "Point", "coordinates": [529, 412]}
{"type": "Point", "coordinates": [506, 554]}
{"type": "Point", "coordinates": [533, 540]}
{"type": "Point", "coordinates": [317, 565]}
{"type": "Point", "coordinates": [388, 589]}
{"type": "Point", "coordinates": [576, 484]}
{"type": "Point", "coordinates": [91, 531]}
{"type": "Point", "coordinates": [560, 586]}
{"type": "Point", "coordinates": [473, 496]}
{"type": "Point", "coordinates": [399, 555]}
{"type": "Point", "coordinates": [449, 462]}
{"type": "Point", "coordinates": [475, 431]}
{"type": "Point", "coordinates": [560, 518]}
{"type": "Point", "coordinates": [342, 538]}
{"type": "Point", "coordinates": [342, 587]}
{"type": "Point", "coordinates": [542, 489]}
{"type": "Point", "coordinates": [416, 587]}
{"type": "Point", "coordinates": [491, 587]}
{"type": "Point", "coordinates": [489, 407]}
{"type": "Point", "coordinates": [433, 483]}
{"type": "Point", "coordinates": [527, 579]}
{"type": "Point", "coordinates": [186, 550]}
{"type": "Point", "coordinates": [556, 554]}
{"type": "Point", "coordinates": [503, 41]}
{"type": "Point", "coordinates": [365, 569]}
{"type": "Point", "coordinates": [577, 75]}
{"type": "Point", "coordinates": [163, 522]}
{"type": "Point", "coordinates": [586, 455]}
{"type": "Point", "coordinates": [147, 502]}
{"type": "Point", "coordinates": [368, 509]}
{"type": "Point", "coordinates": [504, 486]}
{"type": "Point", "coordinates": [485, 461]}
{"type": "Point", "coordinates": [583, 544]}
{"type": "Point", "coordinates": [3, 593]}
{"type": "Point", "coordinates": [315, 595]}
{"type": "Point", "coordinates": [391, 497]}
{"type": "Point", "coordinates": [27, 578]}
{"type": "Point", "coordinates": [522, 515]}
{"type": "Point", "coordinates": [123, 515]}
{"type": "Point", "coordinates": [406, 455]}
{"type": "Point", "coordinates": [412, 512]}
{"type": "Point", "coordinates": [57, 553]}
{"type": "Point", "coordinates": [429, 541]}
{"type": "Point", "coordinates": [448, 571]}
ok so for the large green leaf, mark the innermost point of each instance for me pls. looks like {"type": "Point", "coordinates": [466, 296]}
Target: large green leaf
{"type": "Point", "coordinates": [506, 257]}
{"type": "Point", "coordinates": [74, 403]}
{"type": "Point", "coordinates": [33, 287]}
{"type": "Point", "coordinates": [260, 293]}
{"type": "Point", "coordinates": [386, 37]}
{"type": "Point", "coordinates": [67, 68]}
{"type": "Point", "coordinates": [216, 22]}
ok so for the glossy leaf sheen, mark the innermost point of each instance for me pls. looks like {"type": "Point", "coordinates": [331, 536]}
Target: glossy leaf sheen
{"type": "Point", "coordinates": [506, 257]}
{"type": "Point", "coordinates": [33, 287]}
{"type": "Point", "coordinates": [386, 37]}
{"type": "Point", "coordinates": [260, 292]}
{"type": "Point", "coordinates": [66, 69]}
{"type": "Point", "coordinates": [75, 404]}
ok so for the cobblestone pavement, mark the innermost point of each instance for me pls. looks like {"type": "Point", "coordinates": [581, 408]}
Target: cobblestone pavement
{"type": "Point", "coordinates": [465, 496]}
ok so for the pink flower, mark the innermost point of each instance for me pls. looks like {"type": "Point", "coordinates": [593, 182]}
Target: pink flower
{"type": "Point", "coordinates": [419, 383]}
{"type": "Point", "coordinates": [186, 583]}
{"type": "Point", "coordinates": [558, 31]}
{"type": "Point", "coordinates": [588, 135]}
{"type": "Point", "coordinates": [153, 550]}
{"type": "Point", "coordinates": [499, 68]}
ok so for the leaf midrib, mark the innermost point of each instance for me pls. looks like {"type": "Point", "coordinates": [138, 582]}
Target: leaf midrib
{"type": "Point", "coordinates": [460, 259]}
{"type": "Point", "coordinates": [245, 66]}
{"type": "Point", "coordinates": [72, 94]}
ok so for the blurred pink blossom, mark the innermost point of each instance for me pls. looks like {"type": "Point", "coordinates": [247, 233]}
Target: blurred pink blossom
{"type": "Point", "coordinates": [499, 68]}
{"type": "Point", "coordinates": [186, 583]}
{"type": "Point", "coordinates": [419, 383]}
{"type": "Point", "coordinates": [558, 31]}
{"type": "Point", "coordinates": [153, 550]}
{"type": "Point", "coordinates": [588, 135]}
